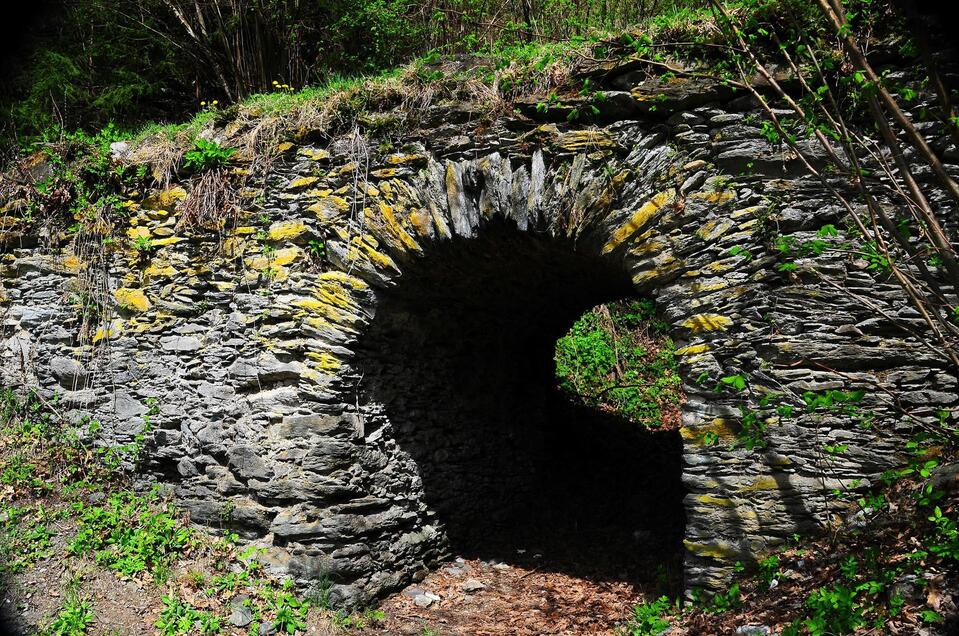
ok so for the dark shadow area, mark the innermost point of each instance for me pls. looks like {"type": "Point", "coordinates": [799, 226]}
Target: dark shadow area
{"type": "Point", "coordinates": [460, 356]}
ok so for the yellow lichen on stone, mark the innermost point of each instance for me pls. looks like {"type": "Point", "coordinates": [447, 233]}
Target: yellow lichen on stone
{"type": "Point", "coordinates": [719, 427]}
{"type": "Point", "coordinates": [277, 273]}
{"type": "Point", "coordinates": [714, 196]}
{"type": "Point", "coordinates": [159, 269]}
{"type": "Point", "coordinates": [645, 244]}
{"type": "Point", "coordinates": [132, 299]}
{"type": "Point", "coordinates": [165, 199]}
{"type": "Point", "coordinates": [709, 287]}
{"type": "Point", "coordinates": [314, 154]}
{"type": "Point", "coordinates": [234, 247]}
{"type": "Point", "coordinates": [710, 500]}
{"type": "Point", "coordinates": [421, 221]}
{"type": "Point", "coordinates": [333, 293]}
{"type": "Point", "coordinates": [714, 229]}
{"type": "Point", "coordinates": [324, 315]}
{"type": "Point", "coordinates": [384, 173]}
{"type": "Point", "coordinates": [618, 181]}
{"type": "Point", "coordinates": [72, 263]}
{"type": "Point", "coordinates": [138, 232]}
{"type": "Point", "coordinates": [324, 361]}
{"type": "Point", "coordinates": [303, 182]}
{"type": "Point", "coordinates": [276, 259]}
{"type": "Point", "coordinates": [340, 203]}
{"type": "Point", "coordinates": [107, 333]}
{"type": "Point", "coordinates": [639, 219]}
{"type": "Point", "coordinates": [398, 160]}
{"type": "Point", "coordinates": [576, 140]}
{"type": "Point", "coordinates": [364, 247]}
{"type": "Point", "coordinates": [329, 207]}
{"type": "Point", "coordinates": [718, 550]}
{"type": "Point", "coordinates": [284, 147]}
{"type": "Point", "coordinates": [163, 242]}
{"type": "Point", "coordinates": [761, 483]}
{"type": "Point", "coordinates": [389, 219]}
{"type": "Point", "coordinates": [692, 350]}
{"type": "Point", "coordinates": [707, 322]}
{"type": "Point", "coordinates": [753, 209]}
{"type": "Point", "coordinates": [283, 230]}
{"type": "Point", "coordinates": [721, 266]}
{"type": "Point", "coordinates": [666, 268]}
{"type": "Point", "coordinates": [309, 304]}
{"type": "Point", "coordinates": [343, 278]}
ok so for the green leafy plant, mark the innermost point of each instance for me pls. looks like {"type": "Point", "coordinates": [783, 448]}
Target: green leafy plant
{"type": "Point", "coordinates": [207, 155]}
{"type": "Point", "coordinates": [317, 248]}
{"type": "Point", "coordinates": [74, 618]}
{"type": "Point", "coordinates": [290, 613]}
{"type": "Point", "coordinates": [833, 611]}
{"type": "Point", "coordinates": [945, 543]}
{"type": "Point", "coordinates": [649, 619]}
{"type": "Point", "coordinates": [130, 533]}
{"type": "Point", "coordinates": [176, 617]}
{"type": "Point", "coordinates": [142, 244]}
{"type": "Point", "coordinates": [769, 568]}
{"type": "Point", "coordinates": [724, 601]}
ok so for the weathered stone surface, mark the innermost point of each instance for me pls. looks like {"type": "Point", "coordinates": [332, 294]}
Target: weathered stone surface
{"type": "Point", "coordinates": [334, 408]}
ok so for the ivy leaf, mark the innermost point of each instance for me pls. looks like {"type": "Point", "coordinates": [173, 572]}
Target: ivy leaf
{"type": "Point", "coordinates": [737, 382]}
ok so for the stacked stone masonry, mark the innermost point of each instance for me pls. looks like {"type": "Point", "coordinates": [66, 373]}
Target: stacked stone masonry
{"type": "Point", "coordinates": [290, 386]}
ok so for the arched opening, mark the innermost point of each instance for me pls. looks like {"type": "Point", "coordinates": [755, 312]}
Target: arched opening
{"type": "Point", "coordinates": [458, 376]}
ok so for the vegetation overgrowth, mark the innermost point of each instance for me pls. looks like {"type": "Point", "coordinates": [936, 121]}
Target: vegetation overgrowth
{"type": "Point", "coordinates": [619, 358]}
{"type": "Point", "coordinates": [94, 61]}
{"type": "Point", "coordinates": [82, 106]}
{"type": "Point", "coordinates": [67, 500]}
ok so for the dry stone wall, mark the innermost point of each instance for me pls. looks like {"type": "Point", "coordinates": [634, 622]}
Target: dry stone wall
{"type": "Point", "coordinates": [304, 401]}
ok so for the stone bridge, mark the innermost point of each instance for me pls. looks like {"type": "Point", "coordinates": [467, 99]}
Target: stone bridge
{"type": "Point", "coordinates": [367, 407]}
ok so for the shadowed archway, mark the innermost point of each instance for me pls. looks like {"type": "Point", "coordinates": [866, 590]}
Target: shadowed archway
{"type": "Point", "coordinates": [458, 361]}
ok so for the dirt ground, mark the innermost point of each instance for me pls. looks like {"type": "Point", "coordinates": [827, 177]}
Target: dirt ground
{"type": "Point", "coordinates": [464, 597]}
{"type": "Point", "coordinates": [493, 599]}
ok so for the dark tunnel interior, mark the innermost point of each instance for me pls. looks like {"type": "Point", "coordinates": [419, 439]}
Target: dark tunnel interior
{"type": "Point", "coordinates": [460, 356]}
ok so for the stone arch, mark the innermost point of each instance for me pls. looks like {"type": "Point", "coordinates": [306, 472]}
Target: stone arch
{"type": "Point", "coordinates": [455, 383]}
{"type": "Point", "coordinates": [252, 347]}
{"type": "Point", "coordinates": [584, 220]}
